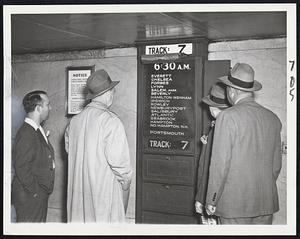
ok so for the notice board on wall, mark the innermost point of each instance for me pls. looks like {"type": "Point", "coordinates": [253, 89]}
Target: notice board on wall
{"type": "Point", "coordinates": [169, 124]}
{"type": "Point", "coordinates": [76, 88]}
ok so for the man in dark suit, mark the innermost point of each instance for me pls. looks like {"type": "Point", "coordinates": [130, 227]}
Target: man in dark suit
{"type": "Point", "coordinates": [216, 102]}
{"type": "Point", "coordinates": [33, 159]}
{"type": "Point", "coordinates": [246, 157]}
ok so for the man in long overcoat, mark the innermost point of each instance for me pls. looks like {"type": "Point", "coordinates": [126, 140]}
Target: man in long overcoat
{"type": "Point", "coordinates": [99, 170]}
{"type": "Point", "coordinates": [246, 157]}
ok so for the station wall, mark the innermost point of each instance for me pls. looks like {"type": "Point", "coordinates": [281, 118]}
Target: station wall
{"type": "Point", "coordinates": [48, 72]}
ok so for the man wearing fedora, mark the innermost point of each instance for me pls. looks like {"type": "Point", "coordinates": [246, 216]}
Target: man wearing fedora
{"type": "Point", "coordinates": [216, 101]}
{"type": "Point", "coordinates": [99, 170]}
{"type": "Point", "coordinates": [246, 157]}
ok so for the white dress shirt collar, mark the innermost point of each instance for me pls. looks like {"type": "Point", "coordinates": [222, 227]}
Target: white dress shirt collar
{"type": "Point", "coordinates": [36, 127]}
{"type": "Point", "coordinates": [32, 123]}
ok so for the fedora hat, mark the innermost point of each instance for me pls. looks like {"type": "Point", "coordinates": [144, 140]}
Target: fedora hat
{"type": "Point", "coordinates": [98, 83]}
{"type": "Point", "coordinates": [242, 78]}
{"type": "Point", "coordinates": [216, 97]}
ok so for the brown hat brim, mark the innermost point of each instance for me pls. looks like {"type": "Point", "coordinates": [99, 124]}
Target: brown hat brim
{"type": "Point", "coordinates": [90, 96]}
{"type": "Point", "coordinates": [256, 86]}
{"type": "Point", "coordinates": [209, 102]}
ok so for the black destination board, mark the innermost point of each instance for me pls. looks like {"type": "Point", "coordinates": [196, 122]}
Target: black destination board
{"type": "Point", "coordinates": [169, 106]}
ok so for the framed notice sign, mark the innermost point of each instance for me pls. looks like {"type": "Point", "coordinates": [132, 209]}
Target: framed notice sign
{"type": "Point", "coordinates": [76, 87]}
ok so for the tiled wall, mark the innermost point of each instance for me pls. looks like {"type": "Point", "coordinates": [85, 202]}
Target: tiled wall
{"type": "Point", "coordinates": [268, 59]}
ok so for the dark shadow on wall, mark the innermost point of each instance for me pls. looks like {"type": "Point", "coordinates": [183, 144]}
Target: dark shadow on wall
{"type": "Point", "coordinates": [64, 157]}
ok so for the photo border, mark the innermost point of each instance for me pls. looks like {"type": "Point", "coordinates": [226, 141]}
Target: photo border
{"type": "Point", "coordinates": [138, 229]}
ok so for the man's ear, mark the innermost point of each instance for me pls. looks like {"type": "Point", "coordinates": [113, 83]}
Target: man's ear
{"type": "Point", "coordinates": [235, 91]}
{"type": "Point", "coordinates": [38, 108]}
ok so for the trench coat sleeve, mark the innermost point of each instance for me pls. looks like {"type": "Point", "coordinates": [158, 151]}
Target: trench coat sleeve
{"type": "Point", "coordinates": [117, 152]}
{"type": "Point", "coordinates": [277, 162]}
{"type": "Point", "coordinates": [220, 158]}
{"type": "Point", "coordinates": [24, 153]}
{"type": "Point", "coordinates": [67, 138]}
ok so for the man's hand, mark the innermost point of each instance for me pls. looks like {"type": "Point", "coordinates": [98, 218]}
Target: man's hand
{"type": "Point", "coordinates": [125, 185]}
{"type": "Point", "coordinates": [199, 207]}
{"type": "Point", "coordinates": [204, 139]}
{"type": "Point", "coordinates": [210, 209]}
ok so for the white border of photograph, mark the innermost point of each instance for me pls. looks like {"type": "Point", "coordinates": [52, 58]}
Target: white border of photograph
{"type": "Point", "coordinates": [142, 229]}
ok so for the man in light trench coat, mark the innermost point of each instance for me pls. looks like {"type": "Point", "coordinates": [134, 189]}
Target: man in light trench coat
{"type": "Point", "coordinates": [99, 170]}
{"type": "Point", "coordinates": [246, 156]}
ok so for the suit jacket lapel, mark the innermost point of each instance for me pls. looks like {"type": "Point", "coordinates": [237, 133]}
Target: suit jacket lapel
{"type": "Point", "coordinates": [43, 140]}
{"type": "Point", "coordinates": [50, 146]}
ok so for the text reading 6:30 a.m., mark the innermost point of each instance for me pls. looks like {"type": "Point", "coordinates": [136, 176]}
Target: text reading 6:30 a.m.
{"type": "Point", "coordinates": [171, 66]}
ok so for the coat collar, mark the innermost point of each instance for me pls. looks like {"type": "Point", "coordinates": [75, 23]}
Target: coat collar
{"type": "Point", "coordinates": [98, 105]}
{"type": "Point", "coordinates": [37, 128]}
{"type": "Point", "coordinates": [31, 123]}
{"type": "Point", "coordinates": [39, 135]}
{"type": "Point", "coordinates": [244, 100]}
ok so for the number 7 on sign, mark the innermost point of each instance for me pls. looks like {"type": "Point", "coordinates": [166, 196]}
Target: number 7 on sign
{"type": "Point", "coordinates": [182, 47]}
{"type": "Point", "coordinates": [185, 143]}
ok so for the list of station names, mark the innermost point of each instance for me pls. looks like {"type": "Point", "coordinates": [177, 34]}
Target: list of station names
{"type": "Point", "coordinates": [170, 97]}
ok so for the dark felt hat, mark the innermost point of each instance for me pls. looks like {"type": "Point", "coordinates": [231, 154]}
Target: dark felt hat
{"type": "Point", "coordinates": [216, 97]}
{"type": "Point", "coordinates": [98, 83]}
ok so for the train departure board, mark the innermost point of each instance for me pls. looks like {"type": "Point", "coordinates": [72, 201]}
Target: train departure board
{"type": "Point", "coordinates": [169, 124]}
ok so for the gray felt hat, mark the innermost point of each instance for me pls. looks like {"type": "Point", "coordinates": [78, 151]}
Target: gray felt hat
{"type": "Point", "coordinates": [98, 83]}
